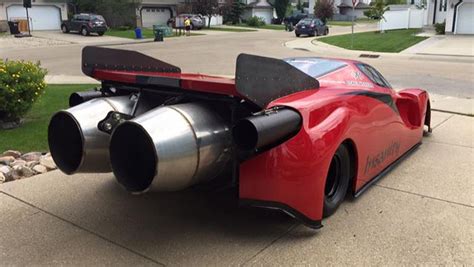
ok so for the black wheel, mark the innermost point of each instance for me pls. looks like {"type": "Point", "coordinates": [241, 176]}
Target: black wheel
{"type": "Point", "coordinates": [297, 34]}
{"type": "Point", "coordinates": [84, 31]}
{"type": "Point", "coordinates": [326, 32]}
{"type": "Point", "coordinates": [64, 29]}
{"type": "Point", "coordinates": [100, 33]}
{"type": "Point", "coordinates": [337, 181]}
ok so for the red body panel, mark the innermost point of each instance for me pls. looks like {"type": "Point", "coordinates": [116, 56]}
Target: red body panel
{"type": "Point", "coordinates": [294, 173]}
{"type": "Point", "coordinates": [347, 108]}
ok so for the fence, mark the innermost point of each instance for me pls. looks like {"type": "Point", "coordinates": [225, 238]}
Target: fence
{"type": "Point", "coordinates": [403, 19]}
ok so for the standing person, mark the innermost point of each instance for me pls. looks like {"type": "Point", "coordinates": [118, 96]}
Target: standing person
{"type": "Point", "coordinates": [187, 26]}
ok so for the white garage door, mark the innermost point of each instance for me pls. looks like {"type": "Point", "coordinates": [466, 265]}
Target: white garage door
{"type": "Point", "coordinates": [465, 21]}
{"type": "Point", "coordinates": [155, 16]}
{"type": "Point", "coordinates": [266, 14]}
{"type": "Point", "coordinates": [41, 17]}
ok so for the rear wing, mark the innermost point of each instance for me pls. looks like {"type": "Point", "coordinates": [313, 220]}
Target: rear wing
{"type": "Point", "coordinates": [260, 80]}
{"type": "Point", "coordinates": [94, 57]}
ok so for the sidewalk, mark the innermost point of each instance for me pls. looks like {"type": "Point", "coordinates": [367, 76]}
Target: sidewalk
{"type": "Point", "coordinates": [444, 45]}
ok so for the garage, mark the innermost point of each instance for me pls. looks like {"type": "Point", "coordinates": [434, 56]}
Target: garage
{"type": "Point", "coordinates": [155, 16]}
{"type": "Point", "coordinates": [41, 17]}
{"type": "Point", "coordinates": [465, 18]}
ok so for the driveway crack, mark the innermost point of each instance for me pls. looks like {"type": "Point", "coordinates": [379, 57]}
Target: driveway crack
{"type": "Point", "coordinates": [425, 196]}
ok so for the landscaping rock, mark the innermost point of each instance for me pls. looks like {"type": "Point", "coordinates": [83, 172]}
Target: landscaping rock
{"type": "Point", "coordinates": [6, 171]}
{"type": "Point", "coordinates": [31, 156]}
{"type": "Point", "coordinates": [14, 166]}
{"type": "Point", "coordinates": [26, 172]}
{"type": "Point", "coordinates": [12, 153]}
{"type": "Point", "coordinates": [40, 169]}
{"type": "Point", "coordinates": [6, 160]}
{"type": "Point", "coordinates": [31, 164]}
{"type": "Point", "coordinates": [48, 162]}
{"type": "Point", "coordinates": [18, 162]}
{"type": "Point", "coordinates": [16, 173]}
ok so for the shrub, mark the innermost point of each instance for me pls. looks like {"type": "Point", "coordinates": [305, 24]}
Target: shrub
{"type": "Point", "coordinates": [21, 83]}
{"type": "Point", "coordinates": [256, 21]}
{"type": "Point", "coordinates": [440, 27]}
{"type": "Point", "coordinates": [324, 9]}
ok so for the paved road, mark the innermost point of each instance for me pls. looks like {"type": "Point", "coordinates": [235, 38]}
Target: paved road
{"type": "Point", "coordinates": [216, 54]}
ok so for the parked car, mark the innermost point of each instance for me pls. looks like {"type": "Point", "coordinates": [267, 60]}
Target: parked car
{"type": "Point", "coordinates": [197, 22]}
{"type": "Point", "coordinates": [295, 18]}
{"type": "Point", "coordinates": [311, 27]}
{"type": "Point", "coordinates": [85, 24]}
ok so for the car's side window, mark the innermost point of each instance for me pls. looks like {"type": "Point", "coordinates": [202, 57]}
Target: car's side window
{"type": "Point", "coordinates": [374, 75]}
{"type": "Point", "coordinates": [75, 17]}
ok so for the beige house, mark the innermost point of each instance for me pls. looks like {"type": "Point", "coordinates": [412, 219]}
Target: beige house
{"type": "Point", "coordinates": [44, 14]}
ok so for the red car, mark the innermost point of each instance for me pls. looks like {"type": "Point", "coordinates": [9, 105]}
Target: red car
{"type": "Point", "coordinates": [295, 134]}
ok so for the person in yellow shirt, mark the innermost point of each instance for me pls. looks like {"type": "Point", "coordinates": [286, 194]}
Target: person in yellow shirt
{"type": "Point", "coordinates": [187, 26]}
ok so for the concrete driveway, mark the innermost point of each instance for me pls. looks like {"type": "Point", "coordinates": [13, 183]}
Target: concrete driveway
{"type": "Point", "coordinates": [75, 38]}
{"type": "Point", "coordinates": [444, 45]}
{"type": "Point", "coordinates": [421, 213]}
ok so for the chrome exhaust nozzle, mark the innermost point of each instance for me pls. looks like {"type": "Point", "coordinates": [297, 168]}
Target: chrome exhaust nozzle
{"type": "Point", "coordinates": [170, 148]}
{"type": "Point", "coordinates": [75, 142]}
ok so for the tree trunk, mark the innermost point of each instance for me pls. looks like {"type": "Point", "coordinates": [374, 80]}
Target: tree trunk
{"type": "Point", "coordinates": [209, 22]}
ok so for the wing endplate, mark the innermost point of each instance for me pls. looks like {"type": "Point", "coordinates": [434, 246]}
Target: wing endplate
{"type": "Point", "coordinates": [264, 79]}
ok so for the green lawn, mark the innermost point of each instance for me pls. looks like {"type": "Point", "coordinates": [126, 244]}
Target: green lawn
{"type": "Point", "coordinates": [349, 23]}
{"type": "Point", "coordinates": [390, 41]}
{"type": "Point", "coordinates": [266, 26]}
{"type": "Point", "coordinates": [339, 23]}
{"type": "Point", "coordinates": [32, 135]}
{"type": "Point", "coordinates": [147, 33]}
{"type": "Point", "coordinates": [229, 29]}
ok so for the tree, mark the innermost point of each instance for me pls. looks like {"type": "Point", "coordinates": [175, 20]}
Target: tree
{"type": "Point", "coordinates": [207, 8]}
{"type": "Point", "coordinates": [324, 9]}
{"type": "Point", "coordinates": [377, 10]}
{"type": "Point", "coordinates": [299, 6]}
{"type": "Point", "coordinates": [281, 7]}
{"type": "Point", "coordinates": [235, 11]}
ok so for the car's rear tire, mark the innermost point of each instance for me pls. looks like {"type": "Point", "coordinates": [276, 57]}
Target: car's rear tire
{"type": "Point", "coordinates": [85, 31]}
{"type": "Point", "coordinates": [337, 180]}
{"type": "Point", "coordinates": [297, 34]}
{"type": "Point", "coordinates": [100, 33]}
{"type": "Point", "coordinates": [64, 29]}
{"type": "Point", "coordinates": [326, 32]}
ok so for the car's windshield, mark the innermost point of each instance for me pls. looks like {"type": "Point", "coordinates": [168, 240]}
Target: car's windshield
{"type": "Point", "coordinates": [306, 21]}
{"type": "Point", "coordinates": [316, 67]}
{"type": "Point", "coordinates": [97, 17]}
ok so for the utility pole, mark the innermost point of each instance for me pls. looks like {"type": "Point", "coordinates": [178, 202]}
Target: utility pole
{"type": "Point", "coordinates": [26, 5]}
{"type": "Point", "coordinates": [354, 4]}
